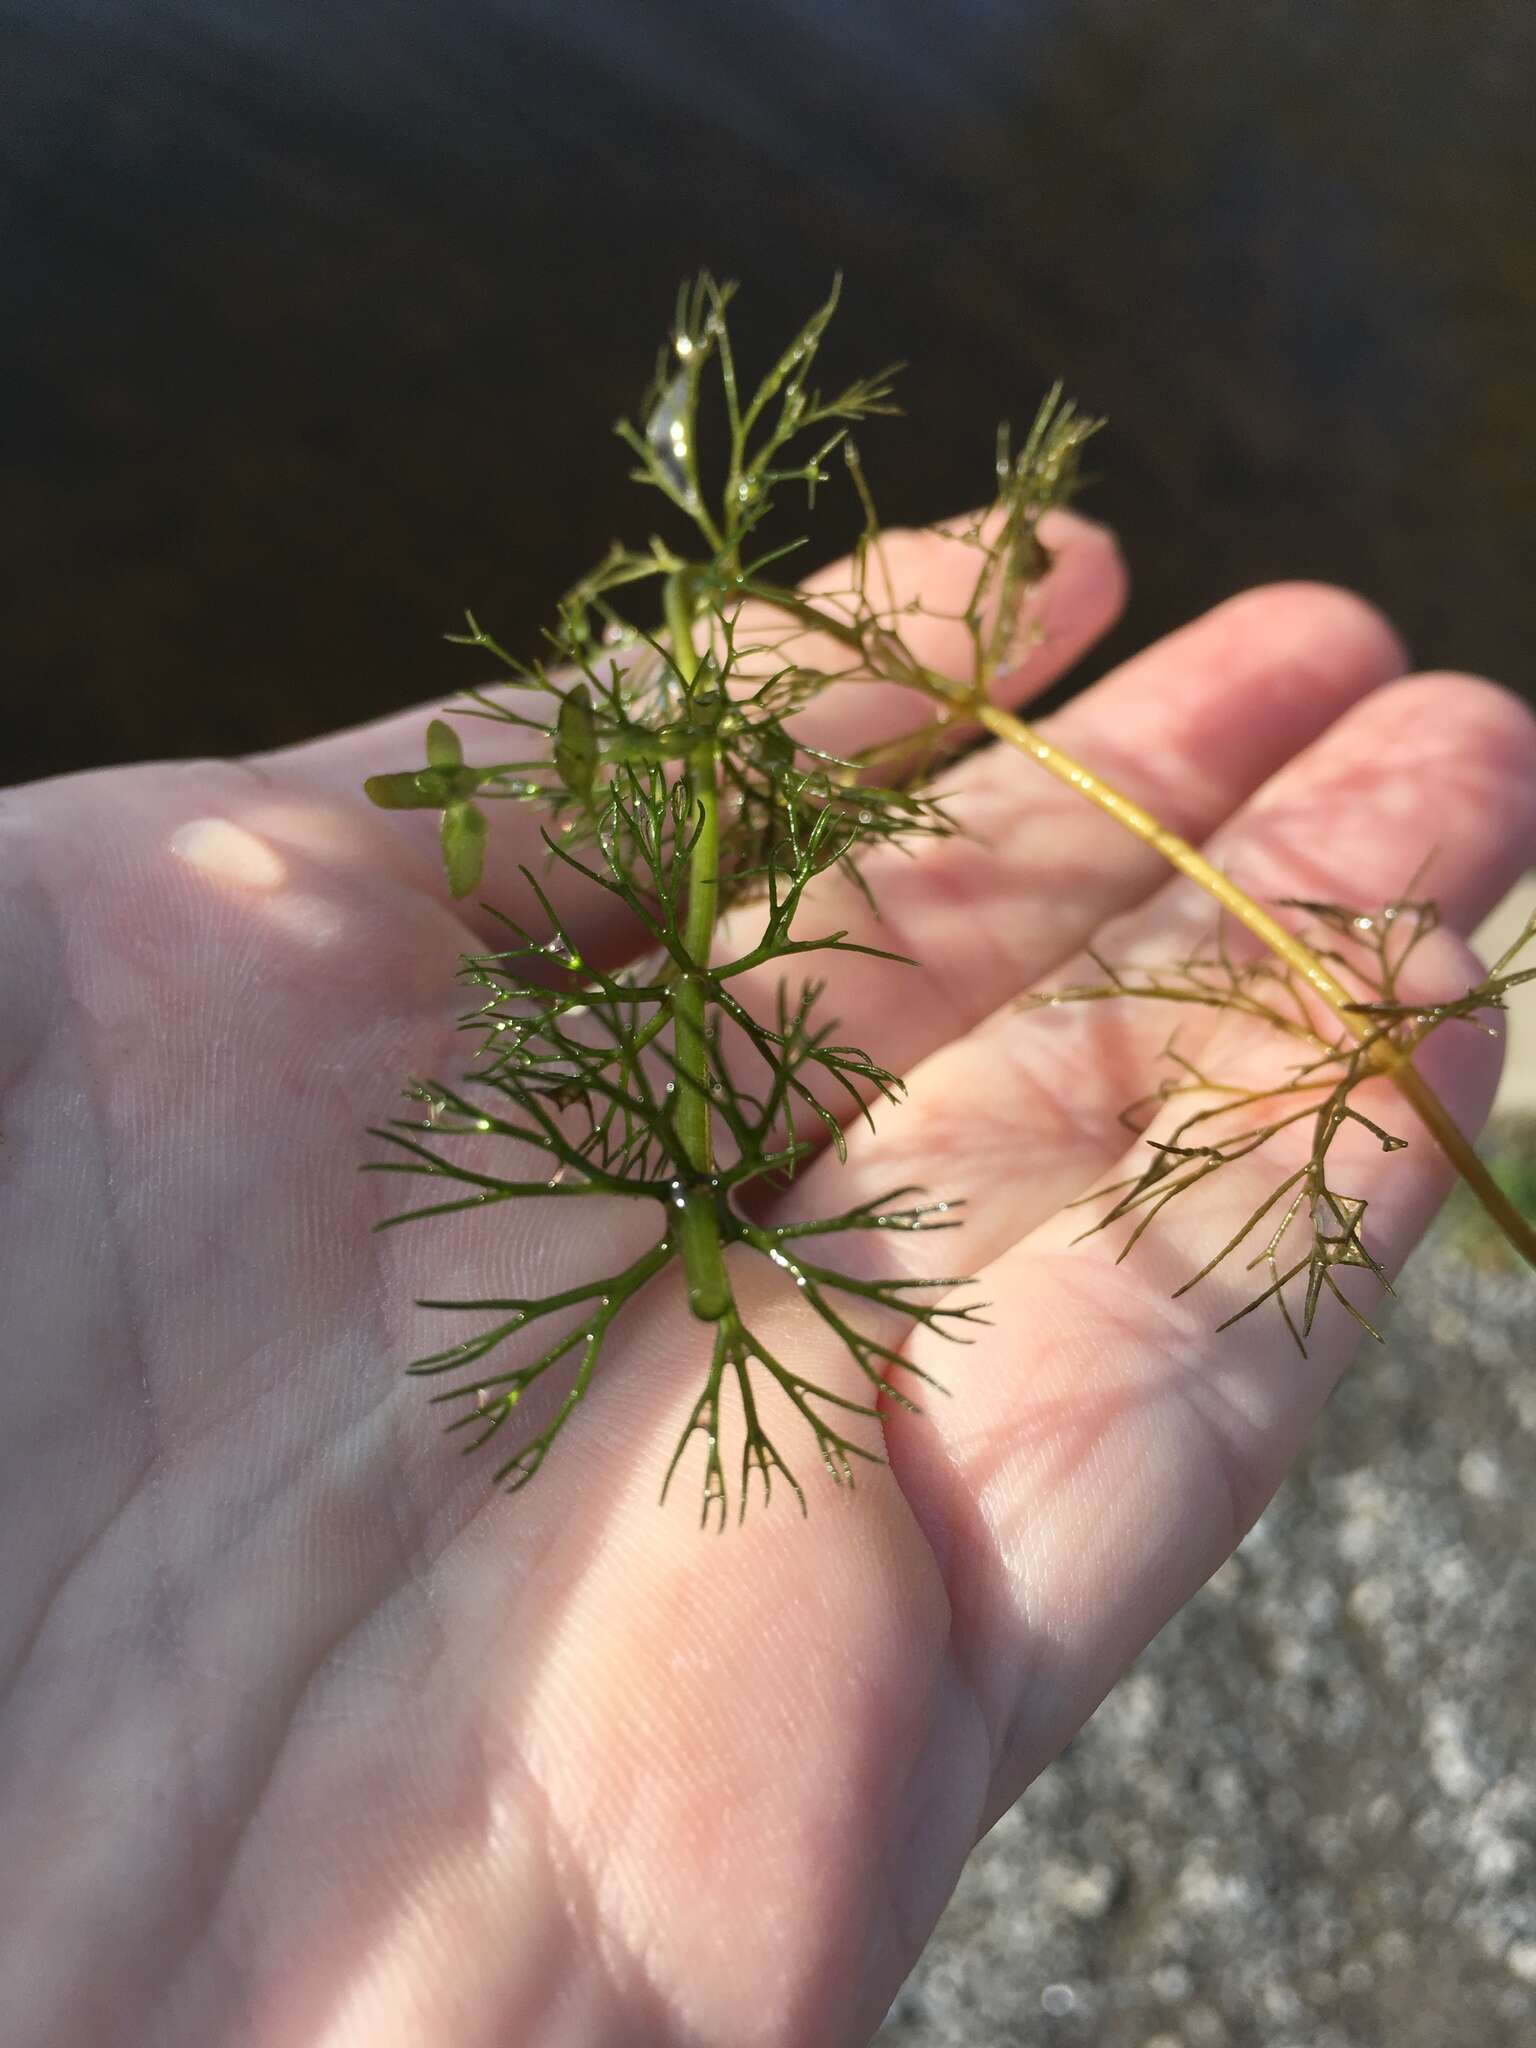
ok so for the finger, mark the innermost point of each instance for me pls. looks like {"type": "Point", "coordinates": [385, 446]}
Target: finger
{"type": "Point", "coordinates": [1024, 1113]}
{"type": "Point", "coordinates": [1191, 728]}
{"type": "Point", "coordinates": [1077, 599]}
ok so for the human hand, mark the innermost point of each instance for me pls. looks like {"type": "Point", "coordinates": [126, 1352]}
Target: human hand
{"type": "Point", "coordinates": [307, 1736]}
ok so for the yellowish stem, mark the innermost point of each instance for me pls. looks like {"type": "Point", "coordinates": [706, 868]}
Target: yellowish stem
{"type": "Point", "coordinates": [1388, 1058]}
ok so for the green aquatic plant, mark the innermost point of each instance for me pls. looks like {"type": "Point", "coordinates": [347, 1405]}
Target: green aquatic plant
{"type": "Point", "coordinates": [657, 736]}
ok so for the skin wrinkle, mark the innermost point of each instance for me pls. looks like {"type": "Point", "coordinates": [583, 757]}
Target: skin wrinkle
{"type": "Point", "coordinates": [189, 1439]}
{"type": "Point", "coordinates": [417, 1563]}
{"type": "Point", "coordinates": [285, 1714]}
{"type": "Point", "coordinates": [944, 1530]}
{"type": "Point", "coordinates": [417, 1574]}
{"type": "Point", "coordinates": [559, 1851]}
{"type": "Point", "coordinates": [591, 1940]}
{"type": "Point", "coordinates": [11, 1682]}
{"type": "Point", "coordinates": [154, 1479]}
{"type": "Point", "coordinates": [992, 1599]}
{"type": "Point", "coordinates": [989, 1590]}
{"type": "Point", "coordinates": [58, 984]}
{"type": "Point", "coordinates": [1237, 1492]}
{"type": "Point", "coordinates": [1246, 1480]}
{"type": "Point", "coordinates": [572, 1890]}
{"type": "Point", "coordinates": [908, 1915]}
{"type": "Point", "coordinates": [881, 1873]}
{"type": "Point", "coordinates": [681, 2033]}
{"type": "Point", "coordinates": [314, 1667]}
{"type": "Point", "coordinates": [419, 1560]}
{"type": "Point", "coordinates": [900, 1829]}
{"type": "Point", "coordinates": [418, 1570]}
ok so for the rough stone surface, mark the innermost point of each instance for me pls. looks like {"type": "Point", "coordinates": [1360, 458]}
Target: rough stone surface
{"type": "Point", "coordinates": [1307, 1818]}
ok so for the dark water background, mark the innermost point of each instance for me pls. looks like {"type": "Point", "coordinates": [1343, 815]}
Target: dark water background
{"type": "Point", "coordinates": [315, 316]}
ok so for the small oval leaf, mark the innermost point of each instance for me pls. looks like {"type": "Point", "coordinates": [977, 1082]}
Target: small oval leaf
{"type": "Point", "coordinates": [443, 748]}
{"type": "Point", "coordinates": [413, 789]}
{"type": "Point", "coordinates": [576, 742]}
{"type": "Point", "coordinates": [465, 832]}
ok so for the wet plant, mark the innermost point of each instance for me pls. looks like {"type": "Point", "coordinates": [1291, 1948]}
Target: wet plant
{"type": "Point", "coordinates": [1307, 1226]}
{"type": "Point", "coordinates": [657, 736]}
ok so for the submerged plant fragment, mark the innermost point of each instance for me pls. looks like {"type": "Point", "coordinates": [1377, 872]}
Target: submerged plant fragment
{"type": "Point", "coordinates": [1307, 1227]}
{"type": "Point", "coordinates": [658, 737]}
{"type": "Point", "coordinates": [662, 753]}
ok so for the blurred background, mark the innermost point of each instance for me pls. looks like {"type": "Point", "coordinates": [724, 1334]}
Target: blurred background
{"type": "Point", "coordinates": [316, 317]}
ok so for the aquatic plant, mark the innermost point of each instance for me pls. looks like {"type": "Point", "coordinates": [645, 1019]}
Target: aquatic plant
{"type": "Point", "coordinates": [657, 734]}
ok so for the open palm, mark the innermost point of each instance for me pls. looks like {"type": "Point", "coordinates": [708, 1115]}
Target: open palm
{"type": "Point", "coordinates": [309, 1737]}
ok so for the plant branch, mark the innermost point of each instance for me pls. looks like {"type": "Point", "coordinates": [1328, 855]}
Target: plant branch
{"type": "Point", "coordinates": [1387, 1057]}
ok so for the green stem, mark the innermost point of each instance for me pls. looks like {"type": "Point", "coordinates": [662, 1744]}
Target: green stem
{"type": "Point", "coordinates": [709, 1288]}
